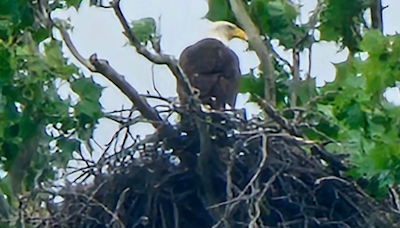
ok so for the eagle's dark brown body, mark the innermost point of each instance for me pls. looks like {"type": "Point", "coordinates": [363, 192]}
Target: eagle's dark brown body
{"type": "Point", "coordinates": [213, 69]}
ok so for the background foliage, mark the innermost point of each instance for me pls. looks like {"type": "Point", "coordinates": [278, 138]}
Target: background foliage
{"type": "Point", "coordinates": [349, 114]}
{"type": "Point", "coordinates": [39, 131]}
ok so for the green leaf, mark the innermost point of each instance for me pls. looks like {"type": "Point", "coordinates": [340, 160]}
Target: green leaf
{"type": "Point", "coordinates": [144, 29]}
{"type": "Point", "coordinates": [74, 3]}
{"type": "Point", "coordinates": [10, 151]}
{"type": "Point", "coordinates": [341, 22]}
{"type": "Point", "coordinates": [40, 35]}
{"type": "Point", "coordinates": [90, 108]}
{"type": "Point", "coordinates": [86, 126]}
{"type": "Point", "coordinates": [87, 89]}
{"type": "Point", "coordinates": [251, 84]}
{"type": "Point", "coordinates": [352, 114]}
{"type": "Point", "coordinates": [374, 42]}
{"type": "Point", "coordinates": [6, 189]}
{"type": "Point", "coordinates": [5, 29]}
{"type": "Point", "coordinates": [305, 90]}
{"type": "Point", "coordinates": [53, 54]}
{"type": "Point", "coordinates": [28, 126]}
{"type": "Point", "coordinates": [276, 8]}
{"type": "Point", "coordinates": [67, 146]}
{"type": "Point", "coordinates": [219, 10]}
{"type": "Point", "coordinates": [7, 66]}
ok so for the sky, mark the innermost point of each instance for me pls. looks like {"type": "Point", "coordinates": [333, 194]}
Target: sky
{"type": "Point", "coordinates": [182, 23]}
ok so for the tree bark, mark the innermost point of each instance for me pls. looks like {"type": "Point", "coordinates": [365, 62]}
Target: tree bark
{"type": "Point", "coordinates": [262, 50]}
{"type": "Point", "coordinates": [376, 14]}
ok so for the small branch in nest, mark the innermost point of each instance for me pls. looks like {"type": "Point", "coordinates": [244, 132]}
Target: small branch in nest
{"type": "Point", "coordinates": [260, 197]}
{"type": "Point", "coordinates": [273, 114]}
{"type": "Point", "coordinates": [121, 200]}
{"type": "Point", "coordinates": [335, 160]}
{"type": "Point", "coordinates": [232, 202]}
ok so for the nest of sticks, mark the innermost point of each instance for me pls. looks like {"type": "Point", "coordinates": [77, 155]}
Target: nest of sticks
{"type": "Point", "coordinates": [228, 171]}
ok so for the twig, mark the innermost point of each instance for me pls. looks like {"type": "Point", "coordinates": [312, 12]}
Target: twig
{"type": "Point", "coordinates": [119, 203]}
{"type": "Point", "coordinates": [153, 81]}
{"type": "Point", "coordinates": [260, 197]}
{"type": "Point", "coordinates": [271, 112]}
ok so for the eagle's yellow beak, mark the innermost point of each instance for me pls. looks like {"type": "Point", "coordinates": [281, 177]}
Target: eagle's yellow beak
{"type": "Point", "coordinates": [239, 33]}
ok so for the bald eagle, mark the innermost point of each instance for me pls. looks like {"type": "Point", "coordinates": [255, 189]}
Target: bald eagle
{"type": "Point", "coordinates": [212, 67]}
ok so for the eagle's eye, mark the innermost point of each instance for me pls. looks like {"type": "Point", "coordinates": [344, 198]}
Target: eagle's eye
{"type": "Point", "coordinates": [231, 27]}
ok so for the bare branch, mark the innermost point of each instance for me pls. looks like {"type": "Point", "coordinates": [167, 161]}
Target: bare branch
{"type": "Point", "coordinates": [101, 66]}
{"type": "Point", "coordinates": [262, 50]}
{"type": "Point", "coordinates": [118, 80]}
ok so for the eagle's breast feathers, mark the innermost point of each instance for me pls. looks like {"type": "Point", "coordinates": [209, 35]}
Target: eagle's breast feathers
{"type": "Point", "coordinates": [213, 68]}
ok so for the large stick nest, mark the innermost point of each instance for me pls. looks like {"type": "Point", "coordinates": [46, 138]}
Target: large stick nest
{"type": "Point", "coordinates": [232, 172]}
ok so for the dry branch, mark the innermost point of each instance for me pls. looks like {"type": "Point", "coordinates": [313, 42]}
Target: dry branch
{"type": "Point", "coordinates": [118, 80]}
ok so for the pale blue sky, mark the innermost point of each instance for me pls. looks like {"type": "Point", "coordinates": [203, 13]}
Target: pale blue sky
{"type": "Point", "coordinates": [98, 31]}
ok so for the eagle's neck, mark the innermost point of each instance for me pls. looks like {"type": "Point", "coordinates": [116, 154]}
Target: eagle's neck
{"type": "Point", "coordinates": [218, 36]}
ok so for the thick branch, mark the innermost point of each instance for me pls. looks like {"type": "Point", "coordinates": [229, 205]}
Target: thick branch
{"type": "Point", "coordinates": [256, 43]}
{"type": "Point", "coordinates": [376, 14]}
{"type": "Point", "coordinates": [118, 80]}
{"type": "Point", "coordinates": [296, 77]}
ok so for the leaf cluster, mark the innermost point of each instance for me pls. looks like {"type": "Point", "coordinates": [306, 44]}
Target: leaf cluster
{"type": "Point", "coordinates": [32, 114]}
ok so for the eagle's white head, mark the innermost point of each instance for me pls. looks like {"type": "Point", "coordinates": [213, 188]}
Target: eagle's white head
{"type": "Point", "coordinates": [225, 31]}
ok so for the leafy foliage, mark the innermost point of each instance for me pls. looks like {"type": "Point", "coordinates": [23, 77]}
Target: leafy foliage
{"type": "Point", "coordinates": [29, 100]}
{"type": "Point", "coordinates": [349, 114]}
{"type": "Point", "coordinates": [341, 21]}
{"type": "Point", "coordinates": [144, 29]}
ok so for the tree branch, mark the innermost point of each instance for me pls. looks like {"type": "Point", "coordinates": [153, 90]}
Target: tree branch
{"type": "Point", "coordinates": [157, 58]}
{"type": "Point", "coordinates": [274, 115]}
{"type": "Point", "coordinates": [118, 80]}
{"type": "Point", "coordinates": [262, 50]}
{"type": "Point", "coordinates": [102, 66]}
{"type": "Point", "coordinates": [376, 14]}
{"type": "Point", "coordinates": [296, 77]}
